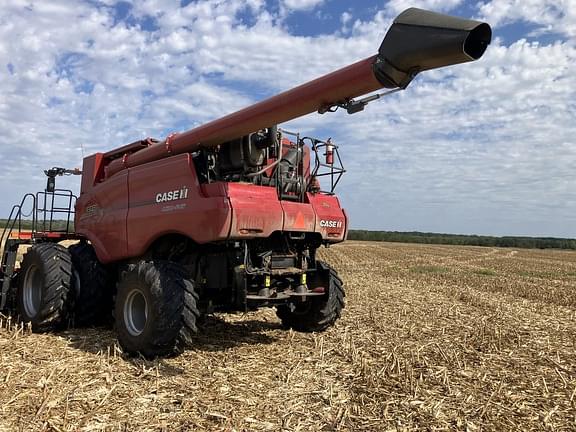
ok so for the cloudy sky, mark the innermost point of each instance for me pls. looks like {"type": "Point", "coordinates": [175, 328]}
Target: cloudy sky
{"type": "Point", "coordinates": [486, 148]}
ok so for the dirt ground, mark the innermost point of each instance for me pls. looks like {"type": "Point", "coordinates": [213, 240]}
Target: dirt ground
{"type": "Point", "coordinates": [432, 338]}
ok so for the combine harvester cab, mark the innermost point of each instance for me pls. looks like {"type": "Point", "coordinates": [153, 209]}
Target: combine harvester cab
{"type": "Point", "coordinates": [224, 217]}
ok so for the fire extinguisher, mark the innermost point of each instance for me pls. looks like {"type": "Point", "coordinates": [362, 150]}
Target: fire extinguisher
{"type": "Point", "coordinates": [329, 152]}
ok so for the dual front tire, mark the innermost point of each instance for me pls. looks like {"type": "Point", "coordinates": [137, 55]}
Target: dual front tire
{"type": "Point", "coordinates": [92, 287]}
{"type": "Point", "coordinates": [59, 286]}
{"type": "Point", "coordinates": [43, 296]}
{"type": "Point", "coordinates": [156, 308]}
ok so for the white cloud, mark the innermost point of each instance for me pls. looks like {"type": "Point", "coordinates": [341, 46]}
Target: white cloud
{"type": "Point", "coordinates": [485, 147]}
{"type": "Point", "coordinates": [557, 16]}
{"type": "Point", "coordinates": [397, 6]}
{"type": "Point", "coordinates": [302, 4]}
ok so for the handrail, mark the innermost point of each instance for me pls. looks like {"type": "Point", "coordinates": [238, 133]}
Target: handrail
{"type": "Point", "coordinates": [17, 217]}
{"type": "Point", "coordinates": [45, 210]}
{"type": "Point", "coordinates": [43, 216]}
{"type": "Point", "coordinates": [5, 230]}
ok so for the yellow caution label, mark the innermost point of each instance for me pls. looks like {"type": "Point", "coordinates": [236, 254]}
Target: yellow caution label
{"type": "Point", "coordinates": [267, 282]}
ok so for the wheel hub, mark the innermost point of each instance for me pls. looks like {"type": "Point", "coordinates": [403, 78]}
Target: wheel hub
{"type": "Point", "coordinates": [32, 291]}
{"type": "Point", "coordinates": [135, 312]}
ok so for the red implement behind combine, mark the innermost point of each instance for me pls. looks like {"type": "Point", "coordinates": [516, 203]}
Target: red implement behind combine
{"type": "Point", "coordinates": [224, 217]}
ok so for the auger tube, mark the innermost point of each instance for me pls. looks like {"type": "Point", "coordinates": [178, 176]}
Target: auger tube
{"type": "Point", "coordinates": [417, 41]}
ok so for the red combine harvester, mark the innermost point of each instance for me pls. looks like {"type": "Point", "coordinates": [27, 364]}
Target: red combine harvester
{"type": "Point", "coordinates": [225, 217]}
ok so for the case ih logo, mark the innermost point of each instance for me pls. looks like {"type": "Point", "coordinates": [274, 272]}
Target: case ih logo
{"type": "Point", "coordinates": [330, 223]}
{"type": "Point", "coordinates": [172, 195]}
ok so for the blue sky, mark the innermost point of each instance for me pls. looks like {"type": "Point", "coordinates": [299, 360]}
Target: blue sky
{"type": "Point", "coordinates": [484, 148]}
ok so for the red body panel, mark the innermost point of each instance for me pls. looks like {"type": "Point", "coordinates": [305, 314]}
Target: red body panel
{"type": "Point", "coordinates": [101, 216]}
{"type": "Point", "coordinates": [256, 211]}
{"type": "Point", "coordinates": [124, 215]}
{"type": "Point", "coordinates": [153, 214]}
{"type": "Point", "coordinates": [298, 217]}
{"type": "Point", "coordinates": [331, 220]}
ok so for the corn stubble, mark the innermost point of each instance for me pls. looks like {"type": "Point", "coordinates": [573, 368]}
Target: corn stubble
{"type": "Point", "coordinates": [432, 338]}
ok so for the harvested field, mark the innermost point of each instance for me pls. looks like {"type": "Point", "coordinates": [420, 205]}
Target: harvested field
{"type": "Point", "coordinates": [433, 338]}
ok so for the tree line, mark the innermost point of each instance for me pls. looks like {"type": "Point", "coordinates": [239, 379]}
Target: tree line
{"type": "Point", "coordinates": [465, 240]}
{"type": "Point", "coordinates": [414, 237]}
{"type": "Point", "coordinates": [57, 225]}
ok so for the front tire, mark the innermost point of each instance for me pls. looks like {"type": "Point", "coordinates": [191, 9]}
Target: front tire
{"type": "Point", "coordinates": [156, 308]}
{"type": "Point", "coordinates": [316, 314]}
{"type": "Point", "coordinates": [43, 293]}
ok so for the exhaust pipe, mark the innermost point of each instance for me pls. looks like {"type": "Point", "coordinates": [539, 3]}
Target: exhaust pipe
{"type": "Point", "coordinates": [421, 40]}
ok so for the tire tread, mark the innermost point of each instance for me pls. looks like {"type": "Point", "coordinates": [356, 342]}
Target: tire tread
{"type": "Point", "coordinates": [55, 263]}
{"type": "Point", "coordinates": [175, 308]}
{"type": "Point", "coordinates": [92, 303]}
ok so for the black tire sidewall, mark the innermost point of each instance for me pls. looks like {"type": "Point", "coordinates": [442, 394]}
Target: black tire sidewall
{"type": "Point", "coordinates": [172, 308]}
{"type": "Point", "coordinates": [55, 266]}
{"type": "Point", "coordinates": [132, 282]}
{"type": "Point", "coordinates": [93, 299]}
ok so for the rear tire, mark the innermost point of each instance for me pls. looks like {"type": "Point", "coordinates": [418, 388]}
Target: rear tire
{"type": "Point", "coordinates": [316, 314]}
{"type": "Point", "coordinates": [92, 287]}
{"type": "Point", "coordinates": [156, 309]}
{"type": "Point", "coordinates": [43, 294]}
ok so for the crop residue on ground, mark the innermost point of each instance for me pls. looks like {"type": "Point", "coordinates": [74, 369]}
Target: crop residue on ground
{"type": "Point", "coordinates": [432, 338]}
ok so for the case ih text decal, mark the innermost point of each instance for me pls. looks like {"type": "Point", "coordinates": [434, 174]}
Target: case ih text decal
{"type": "Point", "coordinates": [330, 223]}
{"type": "Point", "coordinates": [172, 195]}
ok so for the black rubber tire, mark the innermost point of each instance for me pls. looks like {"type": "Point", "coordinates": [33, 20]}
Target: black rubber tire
{"type": "Point", "coordinates": [10, 307]}
{"type": "Point", "coordinates": [93, 298]}
{"type": "Point", "coordinates": [171, 304]}
{"type": "Point", "coordinates": [54, 266]}
{"type": "Point", "coordinates": [11, 295]}
{"type": "Point", "coordinates": [316, 314]}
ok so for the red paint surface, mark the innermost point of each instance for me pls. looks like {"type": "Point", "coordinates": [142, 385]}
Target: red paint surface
{"type": "Point", "coordinates": [101, 216]}
{"type": "Point", "coordinates": [327, 208]}
{"type": "Point", "coordinates": [256, 211]}
{"type": "Point", "coordinates": [298, 216]}
{"type": "Point", "coordinates": [122, 218]}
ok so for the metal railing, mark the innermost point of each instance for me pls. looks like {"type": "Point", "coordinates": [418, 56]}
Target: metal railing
{"type": "Point", "coordinates": [15, 218]}
{"type": "Point", "coordinates": [51, 204]}
{"type": "Point", "coordinates": [334, 171]}
{"type": "Point", "coordinates": [51, 212]}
